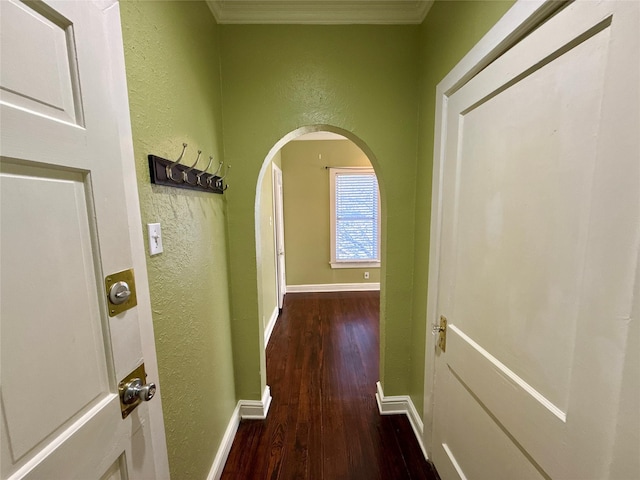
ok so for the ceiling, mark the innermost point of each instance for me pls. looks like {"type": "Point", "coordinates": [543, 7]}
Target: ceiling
{"type": "Point", "coordinates": [321, 12]}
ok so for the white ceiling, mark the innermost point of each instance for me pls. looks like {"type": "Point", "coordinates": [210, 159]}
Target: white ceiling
{"type": "Point", "coordinates": [322, 12]}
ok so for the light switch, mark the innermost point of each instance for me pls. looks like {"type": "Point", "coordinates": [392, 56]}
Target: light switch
{"type": "Point", "coordinates": [155, 238]}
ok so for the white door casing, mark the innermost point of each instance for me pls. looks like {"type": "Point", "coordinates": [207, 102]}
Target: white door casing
{"type": "Point", "coordinates": [281, 278]}
{"type": "Point", "coordinates": [70, 216]}
{"type": "Point", "coordinates": [534, 249]}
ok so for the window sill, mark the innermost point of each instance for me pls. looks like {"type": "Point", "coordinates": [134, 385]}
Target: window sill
{"type": "Point", "coordinates": [355, 264]}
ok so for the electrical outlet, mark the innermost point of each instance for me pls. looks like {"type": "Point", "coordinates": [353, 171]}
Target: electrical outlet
{"type": "Point", "coordinates": [155, 238]}
{"type": "Point", "coordinates": [366, 275]}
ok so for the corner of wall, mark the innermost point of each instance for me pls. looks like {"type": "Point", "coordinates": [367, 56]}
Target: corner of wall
{"type": "Point", "coordinates": [402, 405]}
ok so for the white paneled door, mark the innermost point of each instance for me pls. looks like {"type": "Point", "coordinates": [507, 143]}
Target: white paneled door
{"type": "Point", "coordinates": [537, 236]}
{"type": "Point", "coordinates": [64, 228]}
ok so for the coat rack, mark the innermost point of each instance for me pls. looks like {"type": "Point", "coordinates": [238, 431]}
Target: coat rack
{"type": "Point", "coordinates": [175, 174]}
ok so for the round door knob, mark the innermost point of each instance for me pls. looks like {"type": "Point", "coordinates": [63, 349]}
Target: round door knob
{"type": "Point", "coordinates": [119, 293]}
{"type": "Point", "coordinates": [147, 392]}
{"type": "Point", "coordinates": [135, 390]}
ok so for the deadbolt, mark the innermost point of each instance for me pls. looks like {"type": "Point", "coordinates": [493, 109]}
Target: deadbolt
{"type": "Point", "coordinates": [120, 290]}
{"type": "Point", "coordinates": [119, 293]}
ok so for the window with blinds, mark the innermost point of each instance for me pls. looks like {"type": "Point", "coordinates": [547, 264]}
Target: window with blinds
{"type": "Point", "coordinates": [355, 210]}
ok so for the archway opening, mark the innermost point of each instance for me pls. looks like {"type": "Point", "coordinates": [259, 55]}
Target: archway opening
{"type": "Point", "coordinates": [294, 189]}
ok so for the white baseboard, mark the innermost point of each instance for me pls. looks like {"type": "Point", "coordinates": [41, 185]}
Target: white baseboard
{"type": "Point", "coordinates": [334, 287]}
{"type": "Point", "coordinates": [270, 324]}
{"type": "Point", "coordinates": [225, 446]}
{"type": "Point", "coordinates": [256, 409]}
{"type": "Point", "coordinates": [401, 404]}
{"type": "Point", "coordinates": [245, 410]}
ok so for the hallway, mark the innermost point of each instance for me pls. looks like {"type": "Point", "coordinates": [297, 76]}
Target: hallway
{"type": "Point", "coordinates": [322, 366]}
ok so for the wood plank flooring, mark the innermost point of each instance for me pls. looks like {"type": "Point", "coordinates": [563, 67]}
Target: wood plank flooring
{"type": "Point", "coordinates": [322, 367]}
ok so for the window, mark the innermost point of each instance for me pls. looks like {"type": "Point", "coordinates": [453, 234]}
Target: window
{"type": "Point", "coordinates": [355, 218]}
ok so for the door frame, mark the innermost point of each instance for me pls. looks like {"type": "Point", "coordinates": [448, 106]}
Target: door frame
{"type": "Point", "coordinates": [120, 103]}
{"type": "Point", "coordinates": [522, 18]}
{"type": "Point", "coordinates": [278, 233]}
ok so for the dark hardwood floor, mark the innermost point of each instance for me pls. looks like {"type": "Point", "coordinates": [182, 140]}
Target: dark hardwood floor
{"type": "Point", "coordinates": [322, 367]}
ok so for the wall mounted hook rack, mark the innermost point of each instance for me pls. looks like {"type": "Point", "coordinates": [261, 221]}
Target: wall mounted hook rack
{"type": "Point", "coordinates": [171, 173]}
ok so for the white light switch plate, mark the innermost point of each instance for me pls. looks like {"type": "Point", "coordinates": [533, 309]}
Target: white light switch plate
{"type": "Point", "coordinates": [155, 238]}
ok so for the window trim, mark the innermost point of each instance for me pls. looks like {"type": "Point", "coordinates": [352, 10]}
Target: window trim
{"type": "Point", "coordinates": [333, 172]}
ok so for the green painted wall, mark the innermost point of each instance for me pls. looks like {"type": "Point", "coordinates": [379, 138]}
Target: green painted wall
{"type": "Point", "coordinates": [307, 211]}
{"type": "Point", "coordinates": [268, 289]}
{"type": "Point", "coordinates": [375, 82]}
{"type": "Point", "coordinates": [450, 30]}
{"type": "Point", "coordinates": [172, 58]}
{"type": "Point", "coordinates": [363, 79]}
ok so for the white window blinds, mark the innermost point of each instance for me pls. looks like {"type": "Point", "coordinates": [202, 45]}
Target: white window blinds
{"type": "Point", "coordinates": [356, 216]}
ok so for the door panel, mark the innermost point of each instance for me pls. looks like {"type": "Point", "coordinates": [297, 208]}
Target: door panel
{"type": "Point", "coordinates": [537, 172]}
{"type": "Point", "coordinates": [86, 449]}
{"type": "Point", "coordinates": [117, 471]}
{"type": "Point", "coordinates": [64, 227]}
{"type": "Point", "coordinates": [59, 339]}
{"type": "Point", "coordinates": [39, 71]}
{"type": "Point", "coordinates": [470, 425]}
{"type": "Point", "coordinates": [522, 213]}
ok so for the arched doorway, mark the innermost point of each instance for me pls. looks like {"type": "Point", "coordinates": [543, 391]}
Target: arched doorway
{"type": "Point", "coordinates": [309, 257]}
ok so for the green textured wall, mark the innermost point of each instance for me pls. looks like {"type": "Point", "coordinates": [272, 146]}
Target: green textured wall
{"type": "Point", "coordinates": [172, 59]}
{"type": "Point", "coordinates": [266, 262]}
{"type": "Point", "coordinates": [376, 82]}
{"type": "Point", "coordinates": [450, 30]}
{"type": "Point", "coordinates": [363, 79]}
{"type": "Point", "coordinates": [307, 211]}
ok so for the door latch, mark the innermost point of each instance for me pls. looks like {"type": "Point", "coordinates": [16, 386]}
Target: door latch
{"type": "Point", "coordinates": [441, 331]}
{"type": "Point", "coordinates": [133, 391]}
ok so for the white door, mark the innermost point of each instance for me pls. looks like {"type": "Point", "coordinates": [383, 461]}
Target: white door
{"type": "Point", "coordinates": [537, 254]}
{"type": "Point", "coordinates": [279, 233]}
{"type": "Point", "coordinates": [64, 228]}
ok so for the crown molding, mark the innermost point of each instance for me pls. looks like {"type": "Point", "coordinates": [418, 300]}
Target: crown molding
{"type": "Point", "coordinates": [320, 12]}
